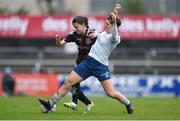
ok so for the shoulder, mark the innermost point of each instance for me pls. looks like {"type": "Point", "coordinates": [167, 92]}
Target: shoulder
{"type": "Point", "coordinates": [103, 33]}
{"type": "Point", "coordinates": [71, 36]}
{"type": "Point", "coordinates": [72, 33]}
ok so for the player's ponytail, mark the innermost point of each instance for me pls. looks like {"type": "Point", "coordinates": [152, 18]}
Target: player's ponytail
{"type": "Point", "coordinates": [86, 22]}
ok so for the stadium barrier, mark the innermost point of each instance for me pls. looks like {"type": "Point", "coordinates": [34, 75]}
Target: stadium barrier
{"type": "Point", "coordinates": [135, 85]}
{"type": "Point", "coordinates": [34, 84]}
{"type": "Point", "coordinates": [130, 85]}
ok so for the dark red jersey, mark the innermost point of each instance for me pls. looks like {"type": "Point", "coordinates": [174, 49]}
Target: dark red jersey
{"type": "Point", "coordinates": [83, 42]}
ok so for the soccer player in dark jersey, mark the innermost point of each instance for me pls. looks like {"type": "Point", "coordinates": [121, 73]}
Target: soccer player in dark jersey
{"type": "Point", "coordinates": [84, 37]}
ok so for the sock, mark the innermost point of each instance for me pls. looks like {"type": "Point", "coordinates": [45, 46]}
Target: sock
{"type": "Point", "coordinates": [55, 98]}
{"type": "Point", "coordinates": [75, 98]}
{"type": "Point", "coordinates": [124, 100]}
{"type": "Point", "coordinates": [75, 94]}
{"type": "Point", "coordinates": [83, 98]}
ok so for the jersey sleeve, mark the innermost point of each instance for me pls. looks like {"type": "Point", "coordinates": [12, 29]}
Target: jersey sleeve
{"type": "Point", "coordinates": [115, 35]}
{"type": "Point", "coordinates": [70, 37]}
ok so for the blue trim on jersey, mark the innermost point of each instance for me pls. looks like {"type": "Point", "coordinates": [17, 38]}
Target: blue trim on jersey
{"type": "Point", "coordinates": [91, 67]}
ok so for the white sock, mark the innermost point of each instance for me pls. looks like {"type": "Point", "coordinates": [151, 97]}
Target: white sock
{"type": "Point", "coordinates": [55, 98]}
{"type": "Point", "coordinates": [124, 100]}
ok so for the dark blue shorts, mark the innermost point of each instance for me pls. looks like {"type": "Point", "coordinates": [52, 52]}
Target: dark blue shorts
{"type": "Point", "coordinates": [91, 67]}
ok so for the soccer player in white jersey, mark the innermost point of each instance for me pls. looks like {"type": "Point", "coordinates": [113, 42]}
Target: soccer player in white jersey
{"type": "Point", "coordinates": [96, 64]}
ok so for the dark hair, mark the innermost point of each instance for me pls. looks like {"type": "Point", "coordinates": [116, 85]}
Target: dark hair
{"type": "Point", "coordinates": [118, 21]}
{"type": "Point", "coordinates": [81, 20]}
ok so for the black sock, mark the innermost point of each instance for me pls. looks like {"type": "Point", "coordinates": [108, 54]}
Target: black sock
{"type": "Point", "coordinates": [75, 98]}
{"type": "Point", "coordinates": [75, 93]}
{"type": "Point", "coordinates": [83, 98]}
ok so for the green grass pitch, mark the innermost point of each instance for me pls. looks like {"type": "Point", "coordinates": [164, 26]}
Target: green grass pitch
{"type": "Point", "coordinates": [27, 108]}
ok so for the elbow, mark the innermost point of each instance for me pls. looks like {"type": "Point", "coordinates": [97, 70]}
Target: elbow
{"type": "Point", "coordinates": [113, 39]}
{"type": "Point", "coordinates": [59, 43]}
{"type": "Point", "coordinates": [116, 39]}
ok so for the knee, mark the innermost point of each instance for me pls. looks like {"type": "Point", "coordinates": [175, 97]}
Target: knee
{"type": "Point", "coordinates": [110, 93]}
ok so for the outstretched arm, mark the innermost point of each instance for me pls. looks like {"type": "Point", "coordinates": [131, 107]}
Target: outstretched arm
{"type": "Point", "coordinates": [114, 28]}
{"type": "Point", "coordinates": [115, 15]}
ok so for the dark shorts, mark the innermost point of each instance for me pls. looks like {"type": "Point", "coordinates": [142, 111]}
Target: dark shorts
{"type": "Point", "coordinates": [91, 67]}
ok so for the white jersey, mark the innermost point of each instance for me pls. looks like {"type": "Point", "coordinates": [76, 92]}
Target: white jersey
{"type": "Point", "coordinates": [103, 46]}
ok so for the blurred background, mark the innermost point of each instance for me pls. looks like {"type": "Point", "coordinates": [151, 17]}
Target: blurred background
{"type": "Point", "coordinates": [146, 63]}
{"type": "Point", "coordinates": [89, 7]}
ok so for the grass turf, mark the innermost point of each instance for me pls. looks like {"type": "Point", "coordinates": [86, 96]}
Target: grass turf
{"type": "Point", "coordinates": [27, 108]}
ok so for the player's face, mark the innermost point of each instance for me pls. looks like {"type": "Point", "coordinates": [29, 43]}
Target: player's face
{"type": "Point", "coordinates": [81, 29]}
{"type": "Point", "coordinates": [107, 26]}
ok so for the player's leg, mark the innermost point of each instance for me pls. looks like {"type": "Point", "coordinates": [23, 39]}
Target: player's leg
{"type": "Point", "coordinates": [73, 78]}
{"type": "Point", "coordinates": [88, 104]}
{"type": "Point", "coordinates": [80, 72]}
{"type": "Point", "coordinates": [108, 87]}
{"type": "Point", "coordinates": [101, 72]}
{"type": "Point", "coordinates": [78, 94]}
{"type": "Point", "coordinates": [83, 98]}
{"type": "Point", "coordinates": [75, 95]}
{"type": "Point", "coordinates": [75, 92]}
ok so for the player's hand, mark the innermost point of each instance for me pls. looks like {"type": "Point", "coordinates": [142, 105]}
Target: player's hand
{"type": "Point", "coordinates": [94, 34]}
{"type": "Point", "coordinates": [58, 39]}
{"type": "Point", "coordinates": [117, 9]}
{"type": "Point", "coordinates": [117, 6]}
